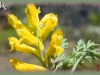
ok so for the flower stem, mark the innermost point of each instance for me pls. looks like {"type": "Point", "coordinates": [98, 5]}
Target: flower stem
{"type": "Point", "coordinates": [41, 57]}
{"type": "Point", "coordinates": [77, 62]}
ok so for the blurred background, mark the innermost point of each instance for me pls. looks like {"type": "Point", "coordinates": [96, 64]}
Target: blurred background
{"type": "Point", "coordinates": [77, 21]}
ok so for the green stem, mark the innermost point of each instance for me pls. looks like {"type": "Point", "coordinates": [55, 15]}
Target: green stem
{"type": "Point", "coordinates": [77, 62]}
{"type": "Point", "coordinates": [41, 57]}
{"type": "Point", "coordinates": [49, 64]}
{"type": "Point", "coordinates": [37, 57]}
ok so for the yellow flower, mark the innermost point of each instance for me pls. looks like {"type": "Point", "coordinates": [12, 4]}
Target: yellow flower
{"type": "Point", "coordinates": [56, 38]}
{"type": "Point", "coordinates": [50, 21]}
{"type": "Point", "coordinates": [16, 45]}
{"type": "Point", "coordinates": [54, 47]}
{"type": "Point", "coordinates": [25, 67]}
{"type": "Point", "coordinates": [32, 15]}
{"type": "Point", "coordinates": [48, 16]}
{"type": "Point", "coordinates": [16, 24]}
{"type": "Point", "coordinates": [23, 32]}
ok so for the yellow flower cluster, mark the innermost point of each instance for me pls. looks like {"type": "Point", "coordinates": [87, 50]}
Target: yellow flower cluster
{"type": "Point", "coordinates": [32, 38]}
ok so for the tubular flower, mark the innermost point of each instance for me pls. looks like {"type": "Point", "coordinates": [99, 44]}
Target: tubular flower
{"type": "Point", "coordinates": [16, 24]}
{"type": "Point", "coordinates": [55, 43]}
{"type": "Point", "coordinates": [25, 67]}
{"type": "Point", "coordinates": [16, 45]}
{"type": "Point", "coordinates": [23, 32]}
{"type": "Point", "coordinates": [32, 15]}
{"type": "Point", "coordinates": [48, 16]}
{"type": "Point", "coordinates": [50, 21]}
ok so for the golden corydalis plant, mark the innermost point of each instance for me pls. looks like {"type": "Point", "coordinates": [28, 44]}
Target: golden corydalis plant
{"type": "Point", "coordinates": [31, 40]}
{"type": "Point", "coordinates": [35, 34]}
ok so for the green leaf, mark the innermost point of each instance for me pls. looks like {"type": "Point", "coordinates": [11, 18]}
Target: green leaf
{"type": "Point", "coordinates": [64, 44]}
{"type": "Point", "coordinates": [55, 55]}
{"type": "Point", "coordinates": [81, 53]}
{"type": "Point", "coordinates": [80, 42]}
{"type": "Point", "coordinates": [74, 51]}
{"type": "Point", "coordinates": [58, 65]}
{"type": "Point", "coordinates": [91, 44]}
{"type": "Point", "coordinates": [60, 58]}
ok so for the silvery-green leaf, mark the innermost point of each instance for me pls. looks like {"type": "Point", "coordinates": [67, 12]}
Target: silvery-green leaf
{"type": "Point", "coordinates": [55, 55]}
{"type": "Point", "coordinates": [79, 54]}
{"type": "Point", "coordinates": [91, 44]}
{"type": "Point", "coordinates": [74, 50]}
{"type": "Point", "coordinates": [58, 65]}
{"type": "Point", "coordinates": [88, 57]}
{"type": "Point", "coordinates": [80, 42]}
{"type": "Point", "coordinates": [61, 57]}
{"type": "Point", "coordinates": [96, 58]}
{"type": "Point", "coordinates": [82, 53]}
{"type": "Point", "coordinates": [64, 44]}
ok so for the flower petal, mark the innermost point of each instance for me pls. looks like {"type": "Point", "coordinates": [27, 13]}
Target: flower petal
{"type": "Point", "coordinates": [50, 23]}
{"type": "Point", "coordinates": [47, 17]}
{"type": "Point", "coordinates": [32, 15]}
{"type": "Point", "coordinates": [59, 50]}
{"type": "Point", "coordinates": [56, 38]}
{"type": "Point", "coordinates": [25, 67]}
{"type": "Point", "coordinates": [15, 43]}
{"type": "Point", "coordinates": [13, 20]}
{"type": "Point", "coordinates": [30, 39]}
{"type": "Point", "coordinates": [54, 47]}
